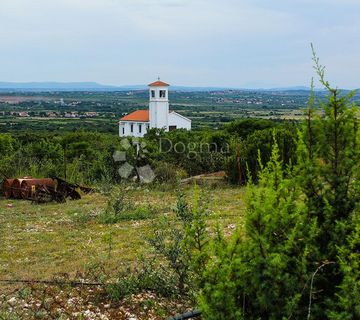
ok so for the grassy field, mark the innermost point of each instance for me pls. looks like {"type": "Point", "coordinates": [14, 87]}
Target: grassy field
{"type": "Point", "coordinates": [67, 241]}
{"type": "Point", "coordinates": [42, 241]}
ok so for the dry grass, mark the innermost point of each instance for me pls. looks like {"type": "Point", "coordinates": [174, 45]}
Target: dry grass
{"type": "Point", "coordinates": [41, 241]}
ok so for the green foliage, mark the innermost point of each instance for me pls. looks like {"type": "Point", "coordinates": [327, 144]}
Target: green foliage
{"type": "Point", "coordinates": [120, 208]}
{"type": "Point", "coordinates": [6, 144]}
{"type": "Point", "coordinates": [86, 157]}
{"type": "Point", "coordinates": [147, 276]}
{"type": "Point", "coordinates": [328, 173]}
{"type": "Point", "coordinates": [299, 257]}
{"type": "Point", "coordinates": [243, 163]}
{"type": "Point", "coordinates": [183, 242]}
{"type": "Point", "coordinates": [195, 152]}
{"type": "Point", "coordinates": [243, 128]}
{"type": "Point", "coordinates": [262, 275]}
{"type": "Point", "coordinates": [81, 157]}
{"type": "Point", "coordinates": [167, 172]}
{"type": "Point", "coordinates": [348, 306]}
{"type": "Point", "coordinates": [81, 218]}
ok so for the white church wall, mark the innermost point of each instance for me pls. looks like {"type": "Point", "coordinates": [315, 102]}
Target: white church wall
{"type": "Point", "coordinates": [131, 129]}
{"type": "Point", "coordinates": [179, 121]}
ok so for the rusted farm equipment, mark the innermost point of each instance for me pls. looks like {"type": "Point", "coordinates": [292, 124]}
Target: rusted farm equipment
{"type": "Point", "coordinates": [16, 187]}
{"type": "Point", "coordinates": [6, 187]}
{"type": "Point", "coordinates": [29, 186]}
{"type": "Point", "coordinates": [42, 190]}
{"type": "Point", "coordinates": [45, 194]}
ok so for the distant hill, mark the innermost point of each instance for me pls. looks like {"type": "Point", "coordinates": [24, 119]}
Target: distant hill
{"type": "Point", "coordinates": [89, 86]}
{"type": "Point", "coordinates": [297, 88]}
{"type": "Point", "coordinates": [94, 86]}
{"type": "Point", "coordinates": [55, 86]}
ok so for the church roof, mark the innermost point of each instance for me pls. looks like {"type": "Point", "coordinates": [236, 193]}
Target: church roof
{"type": "Point", "coordinates": [138, 115]}
{"type": "Point", "coordinates": [159, 84]}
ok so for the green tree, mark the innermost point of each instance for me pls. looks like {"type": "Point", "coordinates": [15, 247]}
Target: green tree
{"type": "Point", "coordinates": [243, 162]}
{"type": "Point", "coordinates": [299, 256]}
{"type": "Point", "coordinates": [183, 242]}
{"type": "Point", "coordinates": [243, 128]}
{"type": "Point", "coordinates": [328, 174]}
{"type": "Point", "coordinates": [7, 144]}
{"type": "Point", "coordinates": [261, 275]}
{"type": "Point", "coordinates": [347, 304]}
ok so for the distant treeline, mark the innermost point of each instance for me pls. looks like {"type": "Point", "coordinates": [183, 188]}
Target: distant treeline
{"type": "Point", "coordinates": [87, 157]}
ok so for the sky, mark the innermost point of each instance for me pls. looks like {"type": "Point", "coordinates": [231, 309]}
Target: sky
{"type": "Point", "coordinates": [224, 43]}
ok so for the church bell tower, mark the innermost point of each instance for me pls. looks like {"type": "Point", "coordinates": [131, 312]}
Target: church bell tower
{"type": "Point", "coordinates": [159, 105]}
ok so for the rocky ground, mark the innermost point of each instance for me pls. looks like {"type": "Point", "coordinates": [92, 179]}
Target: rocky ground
{"type": "Point", "coordinates": [88, 303]}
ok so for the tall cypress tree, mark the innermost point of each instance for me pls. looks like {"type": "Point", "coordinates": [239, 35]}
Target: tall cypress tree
{"type": "Point", "coordinates": [328, 174]}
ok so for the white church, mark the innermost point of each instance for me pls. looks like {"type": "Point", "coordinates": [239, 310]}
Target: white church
{"type": "Point", "coordinates": [158, 115]}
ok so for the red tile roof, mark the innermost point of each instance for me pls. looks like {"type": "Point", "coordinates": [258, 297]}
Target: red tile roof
{"type": "Point", "coordinates": [159, 84]}
{"type": "Point", "coordinates": [138, 115]}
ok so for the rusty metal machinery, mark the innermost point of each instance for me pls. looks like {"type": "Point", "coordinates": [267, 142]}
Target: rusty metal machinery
{"type": "Point", "coordinates": [16, 187]}
{"type": "Point", "coordinates": [29, 186]}
{"type": "Point", "coordinates": [6, 187]}
{"type": "Point", "coordinates": [42, 190]}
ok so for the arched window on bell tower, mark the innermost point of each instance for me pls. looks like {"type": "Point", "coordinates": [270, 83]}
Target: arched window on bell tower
{"type": "Point", "coordinates": [162, 94]}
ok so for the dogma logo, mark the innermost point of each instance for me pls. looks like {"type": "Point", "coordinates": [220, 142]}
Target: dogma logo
{"type": "Point", "coordinates": [133, 152]}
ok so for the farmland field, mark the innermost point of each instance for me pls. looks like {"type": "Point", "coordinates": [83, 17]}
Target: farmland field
{"type": "Point", "coordinates": [50, 111]}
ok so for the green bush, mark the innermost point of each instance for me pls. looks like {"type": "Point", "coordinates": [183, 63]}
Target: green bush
{"type": "Point", "coordinates": [147, 276]}
{"type": "Point", "coordinates": [183, 242]}
{"type": "Point", "coordinates": [139, 213]}
{"type": "Point", "coordinates": [299, 256]}
{"type": "Point", "coordinates": [168, 172]}
{"type": "Point", "coordinates": [120, 208]}
{"type": "Point", "coordinates": [181, 253]}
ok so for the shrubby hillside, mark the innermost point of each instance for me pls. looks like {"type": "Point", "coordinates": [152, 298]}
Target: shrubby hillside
{"type": "Point", "coordinates": [285, 246]}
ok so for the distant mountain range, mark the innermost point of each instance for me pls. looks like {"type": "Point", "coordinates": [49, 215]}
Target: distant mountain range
{"type": "Point", "coordinates": [55, 86]}
{"type": "Point", "coordinates": [93, 86]}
